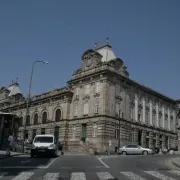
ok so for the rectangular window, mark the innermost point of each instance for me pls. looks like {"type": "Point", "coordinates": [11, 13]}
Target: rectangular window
{"type": "Point", "coordinates": [74, 131]}
{"type": "Point", "coordinates": [87, 89]}
{"type": "Point", "coordinates": [154, 118]}
{"type": "Point", "coordinates": [147, 117]}
{"type": "Point", "coordinates": [171, 124]}
{"type": "Point", "coordinates": [96, 110]}
{"type": "Point", "coordinates": [97, 87]}
{"type": "Point", "coordinates": [118, 93]}
{"type": "Point", "coordinates": [76, 109]}
{"type": "Point", "coordinates": [94, 132]}
{"type": "Point", "coordinates": [118, 109]}
{"type": "Point", "coordinates": [132, 112]}
{"type": "Point", "coordinates": [86, 109]}
{"type": "Point", "coordinates": [42, 130]}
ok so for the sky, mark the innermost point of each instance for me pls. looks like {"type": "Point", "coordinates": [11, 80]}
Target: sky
{"type": "Point", "coordinates": [144, 33]}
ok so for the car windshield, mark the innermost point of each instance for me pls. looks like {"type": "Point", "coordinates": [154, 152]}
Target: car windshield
{"type": "Point", "coordinates": [43, 140]}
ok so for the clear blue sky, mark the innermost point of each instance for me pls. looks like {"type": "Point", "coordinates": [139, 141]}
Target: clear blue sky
{"type": "Point", "coordinates": [144, 33]}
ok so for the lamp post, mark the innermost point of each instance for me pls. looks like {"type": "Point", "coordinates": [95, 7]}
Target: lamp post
{"type": "Point", "coordinates": [29, 96]}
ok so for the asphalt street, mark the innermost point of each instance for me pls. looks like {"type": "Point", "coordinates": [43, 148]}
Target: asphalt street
{"type": "Point", "coordinates": [82, 167]}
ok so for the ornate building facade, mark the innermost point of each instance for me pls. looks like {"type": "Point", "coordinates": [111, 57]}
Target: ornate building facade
{"type": "Point", "coordinates": [100, 108]}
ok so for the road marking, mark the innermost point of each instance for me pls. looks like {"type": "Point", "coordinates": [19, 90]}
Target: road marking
{"type": "Point", "coordinates": [51, 176]}
{"type": "Point", "coordinates": [23, 176]}
{"type": "Point", "coordinates": [159, 175]}
{"type": "Point", "coordinates": [132, 176]}
{"type": "Point", "coordinates": [104, 175]}
{"type": "Point", "coordinates": [78, 176]}
{"type": "Point", "coordinates": [100, 159]}
{"type": "Point", "coordinates": [3, 174]}
{"type": "Point", "coordinates": [51, 163]}
{"type": "Point", "coordinates": [26, 161]}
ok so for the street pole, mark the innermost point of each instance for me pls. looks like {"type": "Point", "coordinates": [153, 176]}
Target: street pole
{"type": "Point", "coordinates": [29, 96]}
{"type": "Point", "coordinates": [119, 134]}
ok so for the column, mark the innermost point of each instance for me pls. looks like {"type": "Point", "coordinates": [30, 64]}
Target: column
{"type": "Point", "coordinates": [169, 120]}
{"type": "Point", "coordinates": [157, 115]}
{"type": "Point", "coordinates": [136, 136]}
{"type": "Point", "coordinates": [136, 108]}
{"type": "Point", "coordinates": [163, 141]}
{"type": "Point", "coordinates": [157, 140]}
{"type": "Point", "coordinates": [163, 118]}
{"type": "Point", "coordinates": [174, 120]}
{"type": "Point", "coordinates": [143, 138]}
{"type": "Point", "coordinates": [150, 111]}
{"type": "Point", "coordinates": [150, 140]}
{"type": "Point", "coordinates": [144, 110]}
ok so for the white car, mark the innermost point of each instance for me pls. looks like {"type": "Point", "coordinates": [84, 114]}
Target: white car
{"type": "Point", "coordinates": [46, 144]}
{"type": "Point", "coordinates": [134, 149]}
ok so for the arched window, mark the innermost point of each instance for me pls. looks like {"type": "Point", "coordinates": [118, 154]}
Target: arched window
{"type": "Point", "coordinates": [20, 122]}
{"type": "Point", "coordinates": [58, 115]}
{"type": "Point", "coordinates": [28, 120]}
{"type": "Point", "coordinates": [44, 117]}
{"type": "Point", "coordinates": [36, 119]}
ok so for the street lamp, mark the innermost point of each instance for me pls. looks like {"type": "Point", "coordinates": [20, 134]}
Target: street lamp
{"type": "Point", "coordinates": [29, 96]}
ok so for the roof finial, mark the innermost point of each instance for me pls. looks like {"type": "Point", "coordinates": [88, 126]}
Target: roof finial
{"type": "Point", "coordinates": [95, 45]}
{"type": "Point", "coordinates": [107, 41]}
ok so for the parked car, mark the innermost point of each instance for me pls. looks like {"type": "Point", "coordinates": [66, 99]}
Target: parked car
{"type": "Point", "coordinates": [134, 149]}
{"type": "Point", "coordinates": [44, 144]}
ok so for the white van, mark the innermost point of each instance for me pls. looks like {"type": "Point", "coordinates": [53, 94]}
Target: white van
{"type": "Point", "coordinates": [44, 143]}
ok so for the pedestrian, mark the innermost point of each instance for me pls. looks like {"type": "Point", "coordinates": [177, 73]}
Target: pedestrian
{"type": "Point", "coordinates": [10, 143]}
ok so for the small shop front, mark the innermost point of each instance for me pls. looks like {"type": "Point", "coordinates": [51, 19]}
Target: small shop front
{"type": "Point", "coordinates": [8, 124]}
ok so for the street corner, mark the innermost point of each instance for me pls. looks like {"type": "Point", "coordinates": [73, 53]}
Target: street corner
{"type": "Point", "coordinates": [25, 162]}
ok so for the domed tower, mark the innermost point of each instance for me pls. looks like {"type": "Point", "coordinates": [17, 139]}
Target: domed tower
{"type": "Point", "coordinates": [14, 91]}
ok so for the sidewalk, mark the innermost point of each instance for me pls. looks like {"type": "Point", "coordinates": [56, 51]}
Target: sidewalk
{"type": "Point", "coordinates": [176, 162]}
{"type": "Point", "coordinates": [3, 154]}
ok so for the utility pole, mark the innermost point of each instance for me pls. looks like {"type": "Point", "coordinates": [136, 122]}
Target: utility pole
{"type": "Point", "coordinates": [28, 99]}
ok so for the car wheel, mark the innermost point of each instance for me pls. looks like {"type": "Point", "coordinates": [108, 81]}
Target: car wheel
{"type": "Point", "coordinates": [145, 153]}
{"type": "Point", "coordinates": [124, 153]}
{"type": "Point", "coordinates": [55, 153]}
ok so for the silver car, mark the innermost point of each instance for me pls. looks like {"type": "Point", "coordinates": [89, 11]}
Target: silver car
{"type": "Point", "coordinates": [134, 149]}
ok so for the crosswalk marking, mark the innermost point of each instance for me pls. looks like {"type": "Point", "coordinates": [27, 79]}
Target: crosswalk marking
{"type": "Point", "coordinates": [78, 176]}
{"type": "Point", "coordinates": [3, 174]}
{"type": "Point", "coordinates": [104, 175]}
{"type": "Point", "coordinates": [51, 176]}
{"type": "Point", "coordinates": [159, 175]}
{"type": "Point", "coordinates": [100, 175]}
{"type": "Point", "coordinates": [132, 176]}
{"type": "Point", "coordinates": [23, 176]}
{"type": "Point", "coordinates": [176, 172]}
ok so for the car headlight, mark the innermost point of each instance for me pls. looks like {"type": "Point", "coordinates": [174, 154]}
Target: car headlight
{"type": "Point", "coordinates": [52, 146]}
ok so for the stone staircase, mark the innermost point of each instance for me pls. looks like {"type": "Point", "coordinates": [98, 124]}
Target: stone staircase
{"type": "Point", "coordinates": [79, 147]}
{"type": "Point", "coordinates": [88, 147]}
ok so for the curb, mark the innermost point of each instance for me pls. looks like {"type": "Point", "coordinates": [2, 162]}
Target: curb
{"type": "Point", "coordinates": [175, 164]}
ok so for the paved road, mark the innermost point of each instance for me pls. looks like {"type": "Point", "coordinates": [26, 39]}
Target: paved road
{"type": "Point", "coordinates": [88, 168]}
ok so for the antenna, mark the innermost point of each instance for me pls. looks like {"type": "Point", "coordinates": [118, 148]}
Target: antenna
{"type": "Point", "coordinates": [107, 41]}
{"type": "Point", "coordinates": [95, 45]}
